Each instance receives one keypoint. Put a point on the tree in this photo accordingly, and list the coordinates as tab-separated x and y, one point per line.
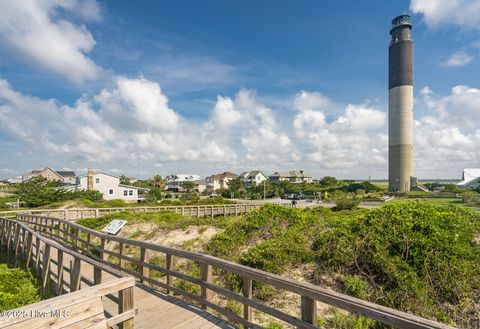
328	181
124	180
158	182
235	184
153	195
188	186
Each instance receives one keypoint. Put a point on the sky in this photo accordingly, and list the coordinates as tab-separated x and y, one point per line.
201	87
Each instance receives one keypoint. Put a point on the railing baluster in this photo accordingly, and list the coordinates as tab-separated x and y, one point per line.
206	275
309	310
59	272
144	257
247	292
169	266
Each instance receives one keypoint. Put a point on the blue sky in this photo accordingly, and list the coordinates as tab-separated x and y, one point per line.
205	86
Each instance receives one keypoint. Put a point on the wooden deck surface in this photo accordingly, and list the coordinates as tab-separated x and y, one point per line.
155	310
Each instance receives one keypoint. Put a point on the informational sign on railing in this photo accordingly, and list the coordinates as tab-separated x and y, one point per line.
114	226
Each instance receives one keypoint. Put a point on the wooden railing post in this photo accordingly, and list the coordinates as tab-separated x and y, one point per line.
102	249
247	292
75	275
169	266
144	257
29	249
206	275
59	272
126	302
309	310
46	267
120	259
97	275
37	255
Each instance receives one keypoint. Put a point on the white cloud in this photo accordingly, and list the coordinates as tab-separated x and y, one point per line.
353	139
459	58
446	140
465	13
131	125
37	30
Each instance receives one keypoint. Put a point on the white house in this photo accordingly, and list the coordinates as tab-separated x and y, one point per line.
173	182
470	178
110	187
255	177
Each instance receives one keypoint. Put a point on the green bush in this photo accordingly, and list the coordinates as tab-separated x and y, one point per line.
417	257
17	288
345	203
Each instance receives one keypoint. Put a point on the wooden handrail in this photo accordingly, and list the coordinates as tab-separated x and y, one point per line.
192	210
36	251
60	230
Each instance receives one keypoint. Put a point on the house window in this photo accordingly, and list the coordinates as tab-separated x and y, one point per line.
97	180
110	191
125	192
130	192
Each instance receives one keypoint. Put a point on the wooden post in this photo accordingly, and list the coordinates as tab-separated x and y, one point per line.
97	275
16	246
59	272
97	213
236	210
309	310
169	266
76	237
37	255
75	275
225	211
102	248
206	275
120	251
144	257
29	249
183	211
247	292
46	267
211	211
126	302
198	211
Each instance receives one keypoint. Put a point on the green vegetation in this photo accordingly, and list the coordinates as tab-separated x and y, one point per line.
17	288
417	257
39	191
163	219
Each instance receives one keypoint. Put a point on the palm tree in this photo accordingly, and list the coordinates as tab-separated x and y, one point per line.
158	182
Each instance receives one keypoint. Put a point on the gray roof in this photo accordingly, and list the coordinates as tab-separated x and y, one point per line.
65	173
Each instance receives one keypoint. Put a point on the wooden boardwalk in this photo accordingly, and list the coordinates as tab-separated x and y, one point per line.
94	263
154	309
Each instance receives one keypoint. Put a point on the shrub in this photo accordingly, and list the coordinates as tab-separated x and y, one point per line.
345	203
17	288
417	257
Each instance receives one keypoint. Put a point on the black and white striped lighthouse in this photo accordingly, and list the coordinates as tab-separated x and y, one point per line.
400	105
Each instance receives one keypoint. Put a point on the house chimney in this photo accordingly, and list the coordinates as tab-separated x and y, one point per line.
90	179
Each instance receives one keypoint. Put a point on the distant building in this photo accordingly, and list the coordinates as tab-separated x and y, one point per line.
219	181
173	182
254	177
294	176
15	180
109	186
201	185
67	177
470	178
